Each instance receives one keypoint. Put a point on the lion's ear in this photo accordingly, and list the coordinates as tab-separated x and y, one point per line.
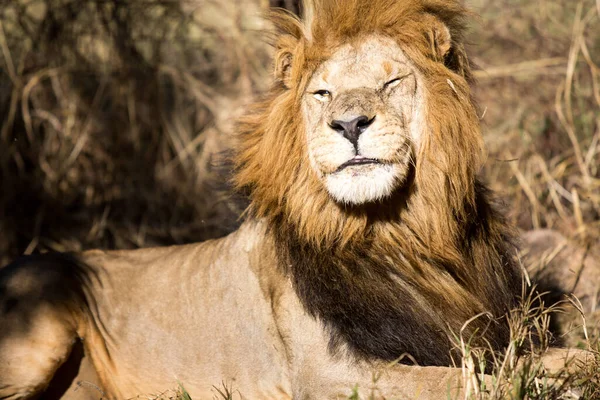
283	66
440	39
447	49
284	58
291	31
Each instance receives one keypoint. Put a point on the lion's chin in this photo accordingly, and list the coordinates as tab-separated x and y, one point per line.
363	184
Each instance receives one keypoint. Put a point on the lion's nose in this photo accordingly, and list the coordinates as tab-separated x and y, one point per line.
352	130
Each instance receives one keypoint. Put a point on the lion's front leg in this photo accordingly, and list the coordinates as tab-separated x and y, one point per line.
342	380
319	372
379	382
38	324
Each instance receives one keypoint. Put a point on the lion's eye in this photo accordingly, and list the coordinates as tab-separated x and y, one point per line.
393	83
322	95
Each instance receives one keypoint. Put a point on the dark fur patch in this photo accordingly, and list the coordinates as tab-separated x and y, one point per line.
404	275
380	311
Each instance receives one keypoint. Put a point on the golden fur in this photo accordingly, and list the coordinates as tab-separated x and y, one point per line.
309	297
455	249
452	120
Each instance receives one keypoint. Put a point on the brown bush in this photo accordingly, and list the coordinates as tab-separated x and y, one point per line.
114	114
539	91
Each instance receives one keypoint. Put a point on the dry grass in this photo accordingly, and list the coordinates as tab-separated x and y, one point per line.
540	89
112	114
543	110
539	92
519	372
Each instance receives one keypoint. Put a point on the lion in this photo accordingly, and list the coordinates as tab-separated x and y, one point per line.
368	245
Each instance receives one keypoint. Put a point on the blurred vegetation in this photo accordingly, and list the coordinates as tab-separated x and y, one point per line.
115	115
539	92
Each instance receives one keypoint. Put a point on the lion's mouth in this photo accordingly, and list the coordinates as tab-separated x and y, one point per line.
358	160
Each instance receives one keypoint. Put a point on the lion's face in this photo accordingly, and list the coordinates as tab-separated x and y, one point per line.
361	112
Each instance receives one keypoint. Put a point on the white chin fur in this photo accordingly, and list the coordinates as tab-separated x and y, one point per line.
363	183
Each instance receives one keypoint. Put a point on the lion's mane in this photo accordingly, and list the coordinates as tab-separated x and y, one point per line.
404	275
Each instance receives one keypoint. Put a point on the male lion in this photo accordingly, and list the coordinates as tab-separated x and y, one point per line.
368	239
